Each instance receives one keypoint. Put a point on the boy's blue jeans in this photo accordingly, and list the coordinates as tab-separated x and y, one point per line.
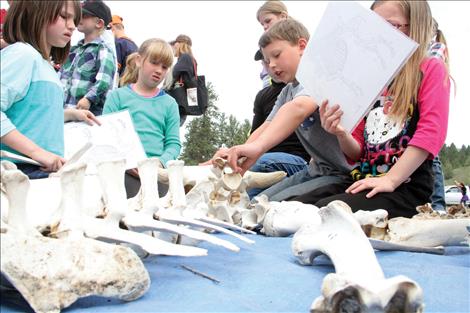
438	201
277	161
298	184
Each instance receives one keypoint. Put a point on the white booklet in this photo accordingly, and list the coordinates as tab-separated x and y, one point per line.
351	57
116	138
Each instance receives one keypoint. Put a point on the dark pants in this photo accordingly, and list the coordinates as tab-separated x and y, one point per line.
401	202
133	185
32	171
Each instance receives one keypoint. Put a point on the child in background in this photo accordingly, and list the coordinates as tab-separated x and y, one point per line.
154	113
124	45
267	15
185	68
438	49
32	114
463	190
88	74
128	77
393	142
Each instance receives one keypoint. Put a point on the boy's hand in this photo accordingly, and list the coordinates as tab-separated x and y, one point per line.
250	151
83	104
377	184
50	161
330	118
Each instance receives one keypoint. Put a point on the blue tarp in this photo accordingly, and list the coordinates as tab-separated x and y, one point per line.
265	277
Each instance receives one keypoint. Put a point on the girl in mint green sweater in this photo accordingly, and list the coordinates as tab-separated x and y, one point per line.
154	113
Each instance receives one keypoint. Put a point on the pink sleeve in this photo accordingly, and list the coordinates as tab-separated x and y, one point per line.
433	106
358	135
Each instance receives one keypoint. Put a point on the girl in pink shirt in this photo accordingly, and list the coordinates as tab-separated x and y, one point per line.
398	139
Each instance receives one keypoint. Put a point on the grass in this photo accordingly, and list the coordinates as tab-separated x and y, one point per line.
461	174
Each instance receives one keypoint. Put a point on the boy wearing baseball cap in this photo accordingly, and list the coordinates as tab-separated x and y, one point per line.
88	73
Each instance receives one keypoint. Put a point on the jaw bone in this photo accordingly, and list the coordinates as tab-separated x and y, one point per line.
358	284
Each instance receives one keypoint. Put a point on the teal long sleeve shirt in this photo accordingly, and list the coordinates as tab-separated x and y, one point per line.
156	120
31	98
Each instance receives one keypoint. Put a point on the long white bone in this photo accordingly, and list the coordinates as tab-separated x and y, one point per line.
201	224
193	175
359	283
112	179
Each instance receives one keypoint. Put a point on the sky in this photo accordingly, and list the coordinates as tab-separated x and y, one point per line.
225	36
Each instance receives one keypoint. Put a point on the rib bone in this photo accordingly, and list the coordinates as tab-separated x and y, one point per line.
112	179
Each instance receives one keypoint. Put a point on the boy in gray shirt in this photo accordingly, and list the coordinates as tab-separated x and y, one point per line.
282	46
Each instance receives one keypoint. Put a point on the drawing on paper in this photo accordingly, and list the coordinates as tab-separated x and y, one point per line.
350	58
114	139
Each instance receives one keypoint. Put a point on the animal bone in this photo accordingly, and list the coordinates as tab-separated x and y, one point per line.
280	219
111	175
43	201
193	175
51	274
428	232
286	217
418	234
146	204
358	284
16	185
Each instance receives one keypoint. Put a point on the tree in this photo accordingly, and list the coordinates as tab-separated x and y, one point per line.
207	133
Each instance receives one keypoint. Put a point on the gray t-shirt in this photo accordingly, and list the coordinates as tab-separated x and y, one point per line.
323	147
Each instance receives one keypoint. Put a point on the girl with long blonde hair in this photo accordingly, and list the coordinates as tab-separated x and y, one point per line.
404	131
153	111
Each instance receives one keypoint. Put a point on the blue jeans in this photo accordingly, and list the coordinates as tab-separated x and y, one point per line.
277	161
298	184
438	201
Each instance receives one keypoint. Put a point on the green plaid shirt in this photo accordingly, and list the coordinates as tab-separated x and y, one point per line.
88	72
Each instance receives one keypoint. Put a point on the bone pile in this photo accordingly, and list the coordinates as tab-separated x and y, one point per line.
426	231
50	230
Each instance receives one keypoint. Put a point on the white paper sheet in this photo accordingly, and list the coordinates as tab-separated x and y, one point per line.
116	138
351	57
